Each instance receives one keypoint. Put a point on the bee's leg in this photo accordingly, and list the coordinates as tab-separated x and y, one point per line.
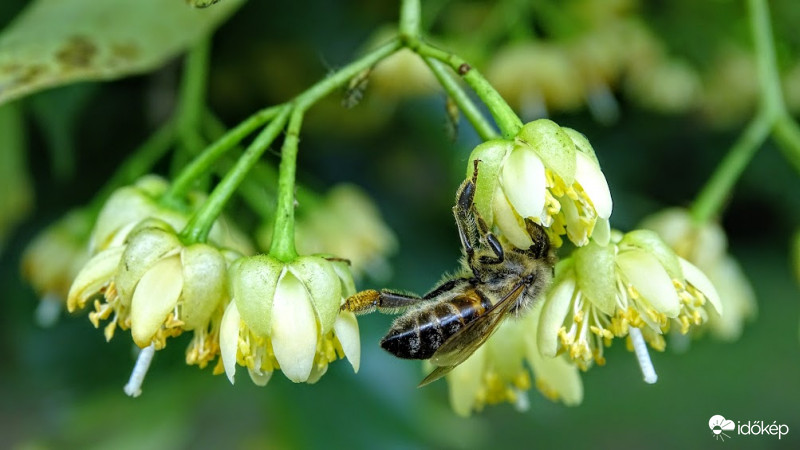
465	218
384	301
541	243
494	244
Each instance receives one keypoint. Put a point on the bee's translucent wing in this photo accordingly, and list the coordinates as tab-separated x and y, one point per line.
463	343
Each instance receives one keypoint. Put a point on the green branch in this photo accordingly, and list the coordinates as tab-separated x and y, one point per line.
485	130
203	164
192	95
200	224
505	117
717	189
772	117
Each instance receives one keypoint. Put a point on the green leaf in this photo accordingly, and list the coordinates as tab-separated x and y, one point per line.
55	42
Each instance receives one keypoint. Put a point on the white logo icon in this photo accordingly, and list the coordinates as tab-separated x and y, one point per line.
719	425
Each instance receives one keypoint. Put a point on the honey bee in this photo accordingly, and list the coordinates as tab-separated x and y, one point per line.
495	280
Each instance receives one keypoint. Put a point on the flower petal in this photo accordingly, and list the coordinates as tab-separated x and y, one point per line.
204	287
253	283
509	222
491	155
155	297
651	242
595	271
602	231
553	145
96	274
259	377
524	182
465	381
146	245
554	309
581	143
556	377
294	328
229	339
323	286
346	329
647	275
593	182
698	279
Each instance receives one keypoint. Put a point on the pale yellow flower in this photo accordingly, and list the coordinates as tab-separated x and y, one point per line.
54	258
497	372
286	316
548	174
600	292
706	247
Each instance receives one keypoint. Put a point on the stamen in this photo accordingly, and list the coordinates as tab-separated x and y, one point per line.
134	386
643	356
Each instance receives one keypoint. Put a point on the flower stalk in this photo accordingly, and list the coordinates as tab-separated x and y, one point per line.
283	246
199	226
771	118
505	117
484	129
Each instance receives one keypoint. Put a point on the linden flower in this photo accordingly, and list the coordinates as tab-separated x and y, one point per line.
128	206
706	247
548	174
157	287
496	373
286	316
53	259
346	223
635	284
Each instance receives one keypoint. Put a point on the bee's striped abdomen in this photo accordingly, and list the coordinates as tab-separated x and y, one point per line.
418	334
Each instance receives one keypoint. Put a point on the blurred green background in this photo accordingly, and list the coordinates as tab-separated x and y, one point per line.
61	387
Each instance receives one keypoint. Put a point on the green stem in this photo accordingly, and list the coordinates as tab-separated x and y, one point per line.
485	130
505	117
709	201
787	134
192	93
198	227
136	165
203	163
200	224
771	117
409	19
282	246
768	75
343	75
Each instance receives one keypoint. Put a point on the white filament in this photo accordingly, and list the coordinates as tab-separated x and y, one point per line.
134	386
643	356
